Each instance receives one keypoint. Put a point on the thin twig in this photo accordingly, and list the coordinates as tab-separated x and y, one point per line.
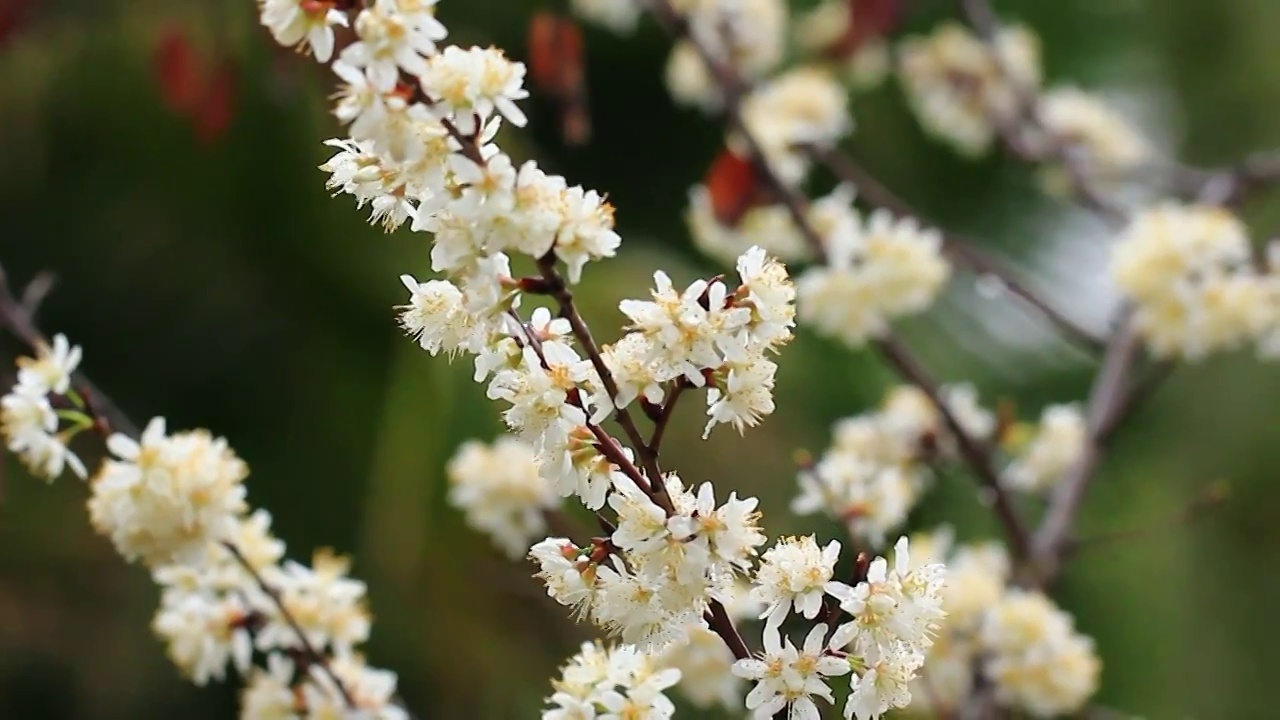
664	418
1212	497
16	317
1103	414
962	250
977	456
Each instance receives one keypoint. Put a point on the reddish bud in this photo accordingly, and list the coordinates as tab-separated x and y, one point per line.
213	115
868	19
557	55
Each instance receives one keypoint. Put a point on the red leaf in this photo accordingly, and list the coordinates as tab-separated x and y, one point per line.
734	186
178	71
557	55
212	116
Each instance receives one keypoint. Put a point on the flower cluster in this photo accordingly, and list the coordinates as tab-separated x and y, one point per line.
612	683
895	615
748	36
651	582
1189	272
1103	142
1042	455
877	270
960	89
833	29
1018	640
878	464
28	420
500	489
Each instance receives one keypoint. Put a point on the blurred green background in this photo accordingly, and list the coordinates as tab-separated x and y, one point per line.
212	280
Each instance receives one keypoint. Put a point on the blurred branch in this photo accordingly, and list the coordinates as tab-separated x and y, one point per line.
17	318
897	355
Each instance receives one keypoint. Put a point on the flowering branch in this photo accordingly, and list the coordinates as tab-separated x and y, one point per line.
733	90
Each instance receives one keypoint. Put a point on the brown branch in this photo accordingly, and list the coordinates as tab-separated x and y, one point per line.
721	624
963	251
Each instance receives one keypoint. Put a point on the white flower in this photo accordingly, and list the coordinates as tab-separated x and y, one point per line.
768	291
643	610
587	231
794	573
268	693
688	79
436	317
469	85
787	677
1187	270
539	396
686	335
633	373
890	268
1103	138
731	531
706	669
501	491
959	88
51	370
303	23
372	692
805	106
625	683
167	497
204	632
567	573
28	424
869	499
1051	453
327	605
767	226
741	393
576	467
394	35
884	685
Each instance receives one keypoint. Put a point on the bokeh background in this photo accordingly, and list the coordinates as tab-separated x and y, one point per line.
212	280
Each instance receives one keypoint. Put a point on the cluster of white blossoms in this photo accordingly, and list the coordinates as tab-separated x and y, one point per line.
176	503
654	578
29	420
747	36
798	108
1103	142
895	614
615	683
879	462
1043	454
1021	643
502	493
960	89
877	269
1189	271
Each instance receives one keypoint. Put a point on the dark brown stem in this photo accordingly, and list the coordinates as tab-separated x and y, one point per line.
664	417
962	251
722	625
